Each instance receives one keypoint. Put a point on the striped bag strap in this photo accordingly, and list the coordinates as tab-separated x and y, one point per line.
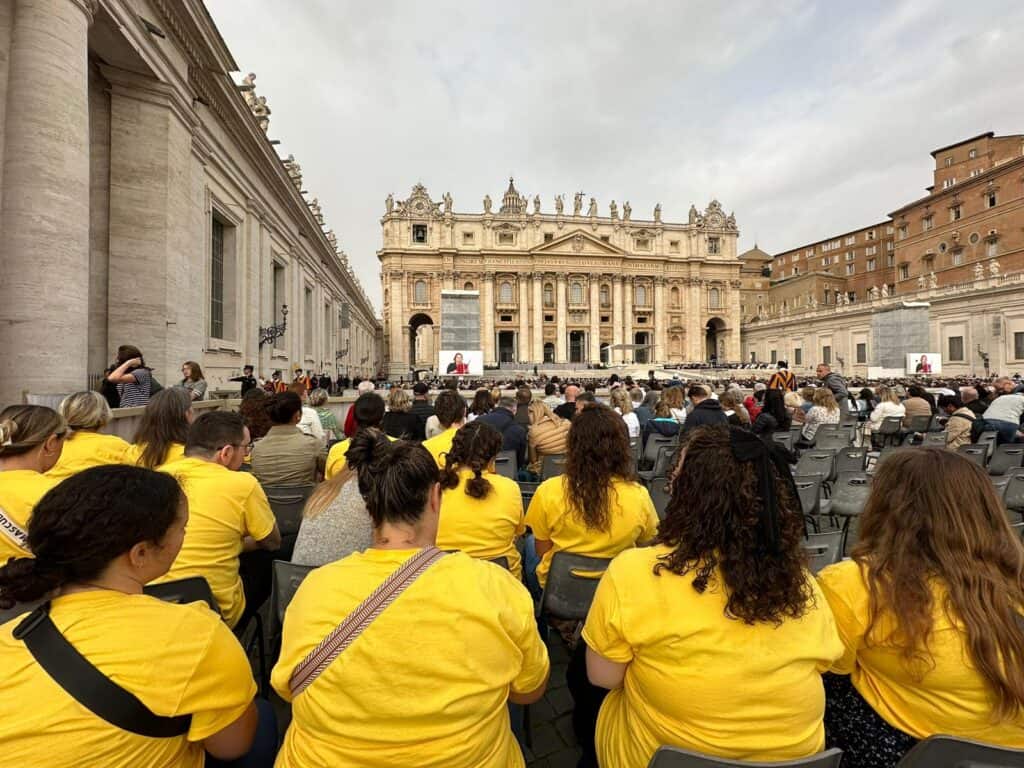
344	634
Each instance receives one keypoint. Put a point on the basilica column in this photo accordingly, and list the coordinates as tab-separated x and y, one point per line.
694	326
733	302
399	362
487	318
523	340
627	318
561	318
660	321
618	355
538	318
44	215
595	319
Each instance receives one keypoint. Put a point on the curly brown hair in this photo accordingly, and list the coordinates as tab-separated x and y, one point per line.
713	524
597	452
474	446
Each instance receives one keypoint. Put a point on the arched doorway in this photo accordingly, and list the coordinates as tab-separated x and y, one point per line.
714	333
421	341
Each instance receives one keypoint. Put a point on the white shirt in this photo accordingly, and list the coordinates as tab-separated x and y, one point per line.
310	424
1006	408
884	410
433	427
632	422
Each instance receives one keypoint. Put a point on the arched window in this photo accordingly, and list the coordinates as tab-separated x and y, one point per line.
673	297
467	287
549	295
714	296
419	294
505	293
640	298
606	300
576	293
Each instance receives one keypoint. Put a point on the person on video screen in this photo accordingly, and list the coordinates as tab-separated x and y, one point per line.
457	366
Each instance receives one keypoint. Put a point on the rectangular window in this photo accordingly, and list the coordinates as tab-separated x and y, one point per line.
862	352
975	172
606	238
949	161
549	236
956	348
419	233
947	183
217	279
712	245
971	154
796	271
673	246
506	238
871	234
826	355
850	269
279	294
958	258
954	213
307	322
467	238
871	250
991	200
1018	346
605	319
774	356
890	259
642	244
889	246
902	232
798	356
870	266
505	318
904	271
991	249
850	240
809	252
927	223
549	318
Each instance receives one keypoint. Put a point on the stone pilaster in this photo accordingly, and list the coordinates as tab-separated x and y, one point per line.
694	326
617	354
44	214
595	319
487	318
523	338
561	333
538	318
627	318
660	322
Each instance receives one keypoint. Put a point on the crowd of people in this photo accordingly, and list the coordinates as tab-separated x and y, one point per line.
419	626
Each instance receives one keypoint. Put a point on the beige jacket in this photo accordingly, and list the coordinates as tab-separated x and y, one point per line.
547	437
958	430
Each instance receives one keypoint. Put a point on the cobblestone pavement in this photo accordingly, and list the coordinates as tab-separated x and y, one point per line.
554	745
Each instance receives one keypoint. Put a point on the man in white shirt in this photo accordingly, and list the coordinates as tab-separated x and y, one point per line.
1004	414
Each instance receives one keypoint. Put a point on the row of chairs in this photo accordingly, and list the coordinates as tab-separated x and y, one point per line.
933	752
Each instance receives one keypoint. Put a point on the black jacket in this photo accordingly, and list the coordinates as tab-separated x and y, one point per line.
403	424
513	435
422	410
706	413
566	411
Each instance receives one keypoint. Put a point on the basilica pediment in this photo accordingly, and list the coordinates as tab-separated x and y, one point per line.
579	241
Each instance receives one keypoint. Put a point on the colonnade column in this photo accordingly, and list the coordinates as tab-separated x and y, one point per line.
627	318
618	355
487	318
44	215
399	330
523	339
538	318
595	319
660	321
694	327
560	323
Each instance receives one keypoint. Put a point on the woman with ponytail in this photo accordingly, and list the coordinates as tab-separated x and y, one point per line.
86	413
31	441
99	537
160	438
421	675
481	512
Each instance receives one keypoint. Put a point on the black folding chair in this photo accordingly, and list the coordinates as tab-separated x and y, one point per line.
1005	458
674	757
552	466
287	503
571	584
951	752
976	453
506	465
825	548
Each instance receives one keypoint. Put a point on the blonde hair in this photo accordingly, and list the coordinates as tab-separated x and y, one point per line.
398	400
622	400
793	400
539	412
673	397
887	395
85	411
24	428
318	397
824	398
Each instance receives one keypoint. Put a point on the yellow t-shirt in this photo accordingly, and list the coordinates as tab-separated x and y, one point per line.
699	680
175	451
483	528
20	491
951	696
83	450
177	659
336	457
632	520
441	444
223	508
426	683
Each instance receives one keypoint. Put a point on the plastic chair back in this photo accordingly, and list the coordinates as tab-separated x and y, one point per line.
674	757
934	440
1006	457
809	489
287	578
194	589
951	752
287	502
891	425
817	461
850	493
823	549
659	495
553	466
785	439
653	448
851	460
666	459
832	439
988	438
976	453
527	490
572	581
505	464
1013	495
918	423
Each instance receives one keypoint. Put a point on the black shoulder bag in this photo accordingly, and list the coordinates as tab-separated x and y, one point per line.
87	685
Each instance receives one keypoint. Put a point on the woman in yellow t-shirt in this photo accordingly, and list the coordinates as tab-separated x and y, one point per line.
481	512
597	508
31	440
721	609
161	435
98	538
86	413
929	610
426	684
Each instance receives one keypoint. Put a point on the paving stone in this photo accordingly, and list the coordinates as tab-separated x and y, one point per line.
560	700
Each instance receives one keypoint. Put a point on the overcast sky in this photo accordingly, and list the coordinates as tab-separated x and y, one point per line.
805	118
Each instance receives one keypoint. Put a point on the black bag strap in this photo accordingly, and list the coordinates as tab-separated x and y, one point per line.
87	685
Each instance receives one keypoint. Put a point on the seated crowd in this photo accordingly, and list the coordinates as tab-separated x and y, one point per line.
420	626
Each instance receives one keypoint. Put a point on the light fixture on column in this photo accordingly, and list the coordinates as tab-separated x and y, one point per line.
272	333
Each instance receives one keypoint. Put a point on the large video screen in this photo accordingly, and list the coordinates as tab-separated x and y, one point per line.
924	363
461	362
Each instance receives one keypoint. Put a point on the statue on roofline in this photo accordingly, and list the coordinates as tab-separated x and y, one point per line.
559	204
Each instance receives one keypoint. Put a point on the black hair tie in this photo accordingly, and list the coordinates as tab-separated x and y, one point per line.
748	447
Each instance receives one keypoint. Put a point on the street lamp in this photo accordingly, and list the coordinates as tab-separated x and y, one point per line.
272	333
